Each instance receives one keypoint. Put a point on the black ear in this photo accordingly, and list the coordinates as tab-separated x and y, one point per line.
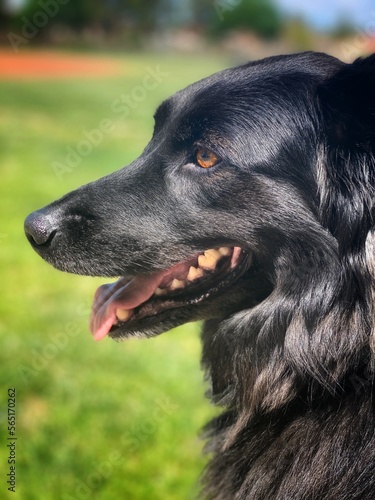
346	167
348	104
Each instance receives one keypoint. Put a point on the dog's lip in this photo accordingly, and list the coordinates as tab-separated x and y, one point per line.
136	298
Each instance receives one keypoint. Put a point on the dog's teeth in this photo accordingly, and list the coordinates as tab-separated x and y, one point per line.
209	259
206	263
213	253
225	251
124	314
194	273
176	284
159	291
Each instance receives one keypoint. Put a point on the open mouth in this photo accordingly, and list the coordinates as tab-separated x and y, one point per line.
127	301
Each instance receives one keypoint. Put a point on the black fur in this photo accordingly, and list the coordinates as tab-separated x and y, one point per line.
289	345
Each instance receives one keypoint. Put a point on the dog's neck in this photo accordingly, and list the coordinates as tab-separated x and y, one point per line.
261	359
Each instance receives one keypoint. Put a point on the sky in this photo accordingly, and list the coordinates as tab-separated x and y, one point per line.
12	5
326	13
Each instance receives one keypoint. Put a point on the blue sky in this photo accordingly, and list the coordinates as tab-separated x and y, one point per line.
326	13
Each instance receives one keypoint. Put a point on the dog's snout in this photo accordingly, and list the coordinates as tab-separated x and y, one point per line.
39	228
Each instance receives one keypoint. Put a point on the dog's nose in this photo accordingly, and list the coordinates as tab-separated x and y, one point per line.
39	228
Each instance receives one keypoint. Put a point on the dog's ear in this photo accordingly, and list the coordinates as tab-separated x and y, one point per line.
347	102
346	167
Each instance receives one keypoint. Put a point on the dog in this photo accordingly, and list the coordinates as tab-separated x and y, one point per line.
252	208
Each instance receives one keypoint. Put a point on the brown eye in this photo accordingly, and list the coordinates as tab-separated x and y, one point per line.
206	158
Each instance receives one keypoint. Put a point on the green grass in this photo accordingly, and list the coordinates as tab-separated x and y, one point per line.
94	420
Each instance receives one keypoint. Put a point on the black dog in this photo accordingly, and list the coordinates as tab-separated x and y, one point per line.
252	207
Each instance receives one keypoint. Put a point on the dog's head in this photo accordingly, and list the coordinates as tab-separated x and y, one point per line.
258	183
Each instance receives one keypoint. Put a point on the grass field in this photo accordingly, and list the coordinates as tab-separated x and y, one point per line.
94	420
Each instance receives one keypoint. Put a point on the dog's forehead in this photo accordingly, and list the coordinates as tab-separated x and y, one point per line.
212	90
250	85
207	100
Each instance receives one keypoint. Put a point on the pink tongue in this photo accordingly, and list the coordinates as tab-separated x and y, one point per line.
124	294
120	295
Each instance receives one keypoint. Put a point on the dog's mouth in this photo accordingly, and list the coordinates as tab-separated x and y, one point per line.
119	305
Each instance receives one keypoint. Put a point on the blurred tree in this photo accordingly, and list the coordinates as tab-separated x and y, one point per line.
4	19
136	17
343	29
144	15
260	16
8	12
298	34
203	12
107	14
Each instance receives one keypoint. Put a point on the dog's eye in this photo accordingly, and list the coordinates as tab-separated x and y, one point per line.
206	158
